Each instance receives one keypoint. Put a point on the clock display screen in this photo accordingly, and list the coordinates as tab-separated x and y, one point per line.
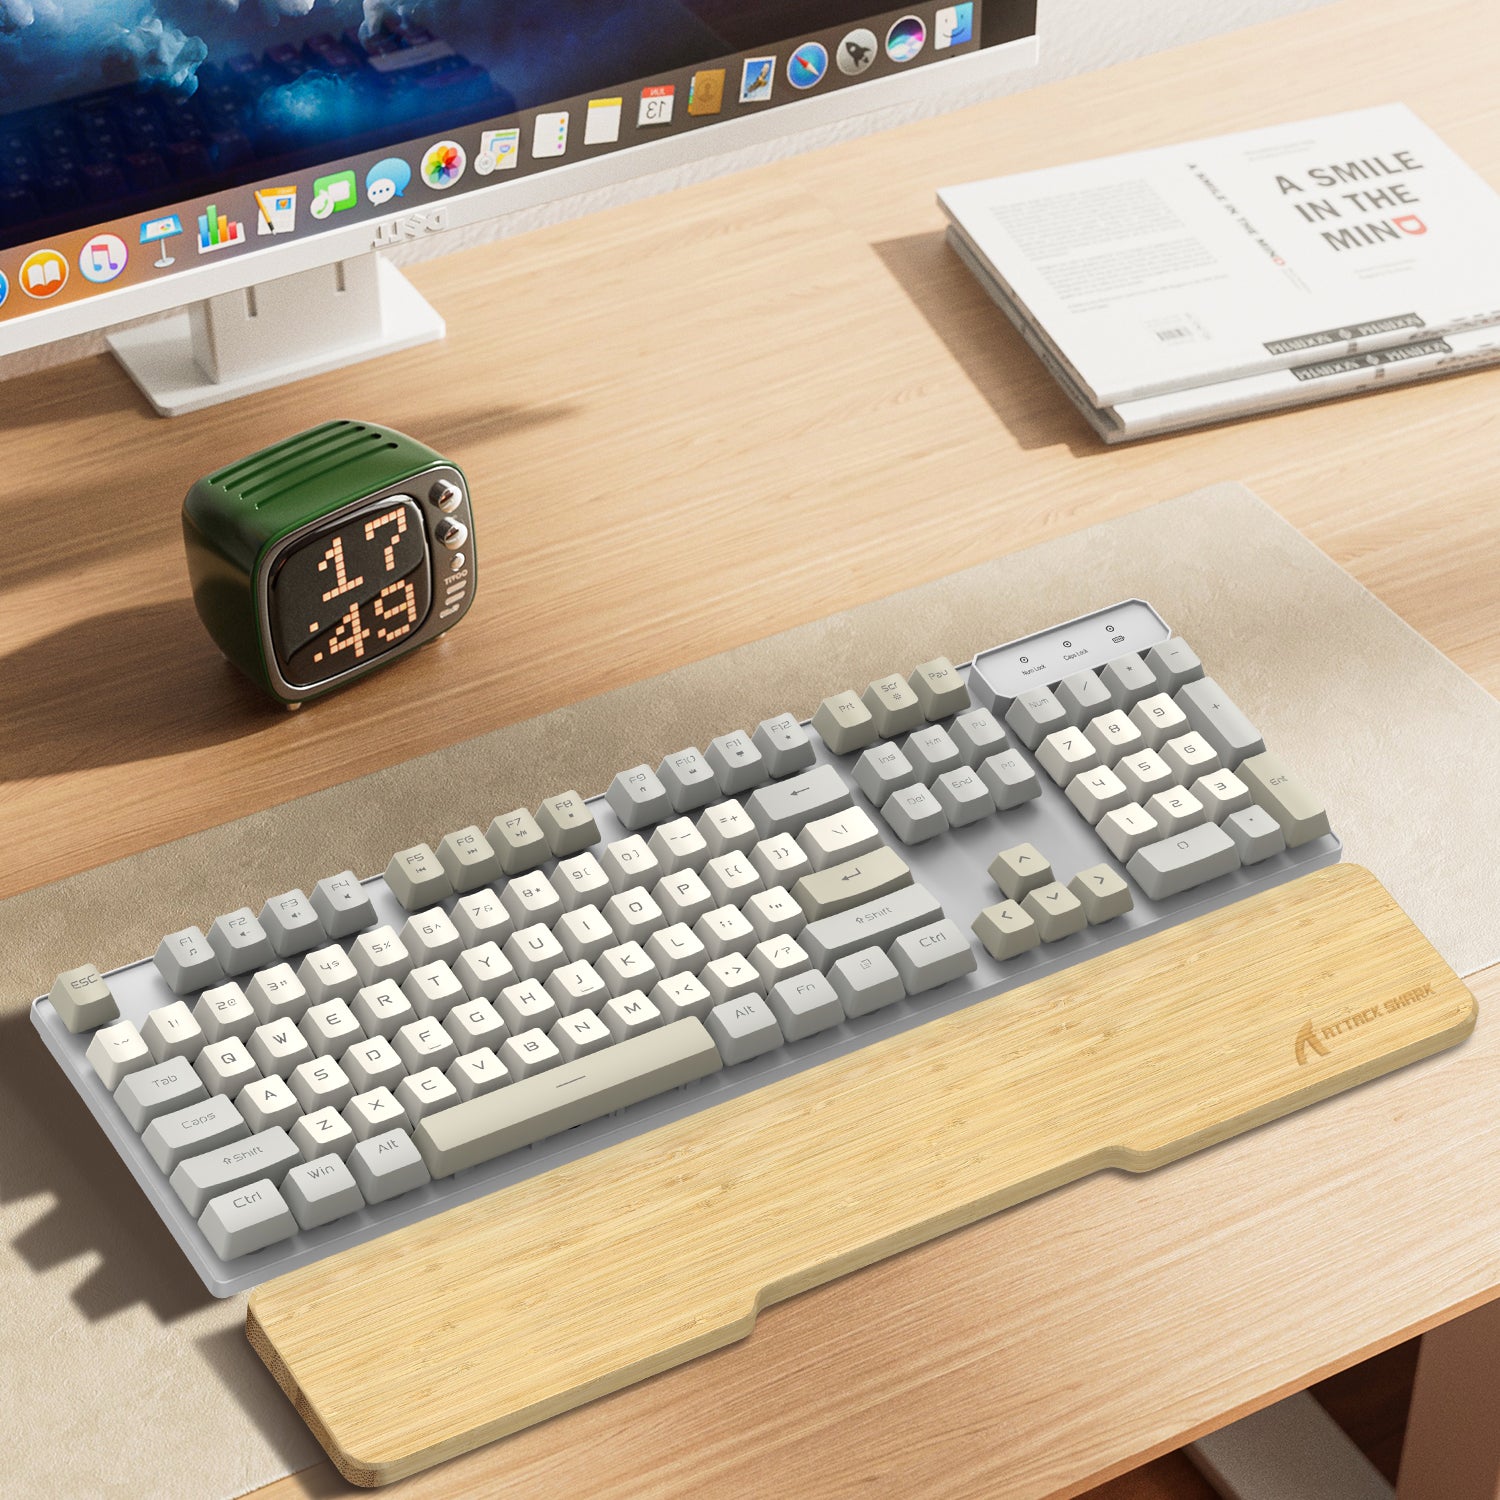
350	593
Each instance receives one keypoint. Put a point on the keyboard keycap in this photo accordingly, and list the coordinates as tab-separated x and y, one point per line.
1103	895
1174	664
1256	834
320	1191
1009	779
845	723
866	981
736	763
893	706
277	994
417	878
468	860
224	1012
226	1067
839	837
883	769
1178	864
852	883
939	688
931	751
1221	793
292	924
83	1000
1189	756
327	974
248	1219
567	824
431	937
1057	912
931	956
268	1103
171	1138
1113	735
915	814
1175	810
117	1052
1128	679
185	960
877	923
978	735
784	744
638	798
628	1015
519	844
240	942
689	780
342	905
171	1031
1127	829
804	1005
1144	773
678	846
1006	930
1159	719
533	1108
387	1165
1295	806
963	796
1020	870
787	806
1083	697
744	1028
1097	792
1035	715
270	1154
728	829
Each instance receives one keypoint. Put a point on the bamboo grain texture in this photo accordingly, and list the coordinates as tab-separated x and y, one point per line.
427	1342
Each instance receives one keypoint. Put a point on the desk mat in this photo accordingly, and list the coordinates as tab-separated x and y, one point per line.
121	1376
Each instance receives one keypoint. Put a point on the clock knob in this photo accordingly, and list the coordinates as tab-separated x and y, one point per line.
452	534
446	496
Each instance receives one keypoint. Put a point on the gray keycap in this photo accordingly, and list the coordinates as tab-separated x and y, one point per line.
1010	780
173	1137
196	1179
569	1094
342	905
785	745
1034	715
915	815
1174	662
866	981
185	960
224	1011
1127	679
939	688
785	806
1083	697
638	797
1297	808
518	841
736	763
1256	834
327	974
292	924
1020	870
481	917
116	1052
468	860
743	1028
978	735
1057	912
379	954
804	1005
417	878
318	1192
248	1219
963	796
931	751
931	956
431	936
567	824
689	780
1178	864
1212	712
1103	894
851	883
883	769
877	922
844	722
1006	930
82	998
158	1090
240	942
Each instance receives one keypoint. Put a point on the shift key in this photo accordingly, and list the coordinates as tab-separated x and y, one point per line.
270	1154
828	892
876	924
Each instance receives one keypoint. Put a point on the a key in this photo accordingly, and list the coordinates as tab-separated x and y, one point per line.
534	952
878	922
1127	829
172	1137
468	860
342	906
893	705
292	924
278	1047
320	1192
773	913
688	779
330	1027
186	962
1020	870
1174	664
324	1132
387	1166
481	917
170	1031
931	750
1083	697
478	1072
518	841
1097	792
424	1044
579	1034
1144	773
426	1092
842	836
844	723
675	949
731	880
83	1000
784	745
787	806
1113	735
633	915
527	1055
240	942
373	1063
1298	809
267	1104
1256	834
728	829
931	956
963	797
382	1009
573	987
484	971
625	967
1034	715
883	769
1127	679
1214	715
116	1052
320	1084
532	898
533	1108
431	937
248	1219
629	1015
1009	779
580	881
226	1067
584	934
196	1179
1159	719
1178	864
433	989
778	959
744	1028
804	1005
678	846
630	862
224	1012
1189	756
567	824
851	883
978	735
1065	753
1102	894
417	878
866	981
328	974
367	1115
476	1023
940	690
277	994
724	930
681	995
915	815
1175	810
780	860
638	798
379	954
737	765
1006	930
1221	793
1057	912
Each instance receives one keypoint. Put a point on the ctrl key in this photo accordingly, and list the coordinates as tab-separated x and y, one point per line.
246	1220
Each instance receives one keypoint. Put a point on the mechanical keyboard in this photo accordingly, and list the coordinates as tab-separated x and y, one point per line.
308	1072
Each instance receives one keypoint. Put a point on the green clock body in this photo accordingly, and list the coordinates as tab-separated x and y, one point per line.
326	556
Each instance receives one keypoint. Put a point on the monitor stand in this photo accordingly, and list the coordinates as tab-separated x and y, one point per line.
274	333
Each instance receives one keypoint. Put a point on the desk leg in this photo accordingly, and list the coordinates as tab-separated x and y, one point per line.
1291	1451
1452	1448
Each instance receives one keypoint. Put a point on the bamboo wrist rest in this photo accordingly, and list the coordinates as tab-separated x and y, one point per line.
432	1340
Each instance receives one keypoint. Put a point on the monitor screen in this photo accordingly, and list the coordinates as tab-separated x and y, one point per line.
143	138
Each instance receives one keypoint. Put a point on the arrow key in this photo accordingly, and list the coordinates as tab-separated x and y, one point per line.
1057	912
1020	871
1103	893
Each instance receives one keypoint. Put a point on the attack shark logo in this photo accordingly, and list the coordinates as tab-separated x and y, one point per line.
1319	1041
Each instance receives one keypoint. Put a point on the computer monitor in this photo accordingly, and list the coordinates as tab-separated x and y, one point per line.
246	160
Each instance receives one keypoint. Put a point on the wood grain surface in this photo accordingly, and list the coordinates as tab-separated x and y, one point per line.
478	1322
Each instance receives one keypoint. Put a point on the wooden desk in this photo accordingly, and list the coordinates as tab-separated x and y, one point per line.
691	422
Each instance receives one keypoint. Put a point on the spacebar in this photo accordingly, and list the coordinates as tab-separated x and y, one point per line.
533	1108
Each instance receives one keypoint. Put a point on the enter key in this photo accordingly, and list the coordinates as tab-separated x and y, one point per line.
1298	809
828	892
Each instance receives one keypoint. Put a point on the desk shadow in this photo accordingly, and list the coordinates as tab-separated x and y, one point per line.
988	349
129	685
238	1368
53	1148
95	386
